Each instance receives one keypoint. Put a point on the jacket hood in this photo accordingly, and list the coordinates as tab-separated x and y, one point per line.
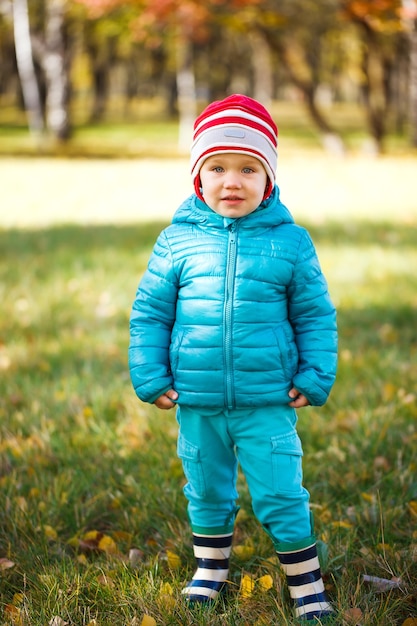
271	212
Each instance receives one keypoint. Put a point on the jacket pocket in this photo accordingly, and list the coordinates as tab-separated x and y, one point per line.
174	350
192	466
287	468
287	351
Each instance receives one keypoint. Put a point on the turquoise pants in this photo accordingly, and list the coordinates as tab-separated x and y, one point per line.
266	445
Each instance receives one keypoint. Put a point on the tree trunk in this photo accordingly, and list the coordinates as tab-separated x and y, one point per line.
187	102
262	68
56	71
26	68
413	84
331	140
376	97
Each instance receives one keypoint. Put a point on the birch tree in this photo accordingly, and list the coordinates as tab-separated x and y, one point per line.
410	21
26	68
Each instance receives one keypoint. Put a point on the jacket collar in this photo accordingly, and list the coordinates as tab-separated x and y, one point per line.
271	212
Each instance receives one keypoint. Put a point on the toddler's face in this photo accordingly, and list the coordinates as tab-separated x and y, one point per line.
233	184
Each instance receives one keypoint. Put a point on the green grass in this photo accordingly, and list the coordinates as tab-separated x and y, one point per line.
79	453
144	129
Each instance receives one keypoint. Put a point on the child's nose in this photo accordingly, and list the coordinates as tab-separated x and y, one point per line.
232	180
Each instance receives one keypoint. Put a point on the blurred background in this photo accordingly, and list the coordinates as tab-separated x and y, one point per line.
346	70
108	86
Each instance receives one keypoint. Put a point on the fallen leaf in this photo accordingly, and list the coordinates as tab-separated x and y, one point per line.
247	585
107	544
266	582
14	614
369	497
166	589
135	557
410	621
122	535
353	616
413	507
174	561
148	621
92	535
57	621
6	564
18	598
50	533
244	552
104	580
166	596
383	584
342	524
82	559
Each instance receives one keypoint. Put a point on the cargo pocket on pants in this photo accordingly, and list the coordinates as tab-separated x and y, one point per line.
192	466
287	468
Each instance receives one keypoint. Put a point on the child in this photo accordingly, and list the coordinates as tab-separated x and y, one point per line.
233	323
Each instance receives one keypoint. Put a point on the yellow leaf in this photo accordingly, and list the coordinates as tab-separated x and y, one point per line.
247	585
148	621
18	598
174	560
82	559
389	390
166	589
107	544
73	542
368	497
50	533
413	507
91	535
410	621
244	552
14	614
342	524
263	620
122	535
266	582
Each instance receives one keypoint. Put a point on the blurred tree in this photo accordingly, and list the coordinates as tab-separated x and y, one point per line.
380	26
54	54
298	31
409	15
26	68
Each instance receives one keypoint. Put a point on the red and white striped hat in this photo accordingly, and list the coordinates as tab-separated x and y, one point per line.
236	124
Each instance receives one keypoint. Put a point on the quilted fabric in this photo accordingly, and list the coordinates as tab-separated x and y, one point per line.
233	313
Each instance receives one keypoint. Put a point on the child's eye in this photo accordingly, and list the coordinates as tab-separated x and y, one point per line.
247	170
217	168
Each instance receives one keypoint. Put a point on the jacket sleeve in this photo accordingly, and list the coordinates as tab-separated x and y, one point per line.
151	321
313	318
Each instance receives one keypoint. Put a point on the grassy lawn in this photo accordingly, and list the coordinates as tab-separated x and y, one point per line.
93	527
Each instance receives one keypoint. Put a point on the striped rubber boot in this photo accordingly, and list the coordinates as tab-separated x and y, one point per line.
212	554
305	584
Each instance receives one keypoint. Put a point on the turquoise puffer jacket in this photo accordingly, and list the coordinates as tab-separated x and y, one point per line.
233	313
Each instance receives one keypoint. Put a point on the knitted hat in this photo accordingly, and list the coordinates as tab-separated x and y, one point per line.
236	124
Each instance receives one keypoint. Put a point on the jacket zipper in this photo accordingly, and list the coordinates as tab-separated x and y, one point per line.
228	316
